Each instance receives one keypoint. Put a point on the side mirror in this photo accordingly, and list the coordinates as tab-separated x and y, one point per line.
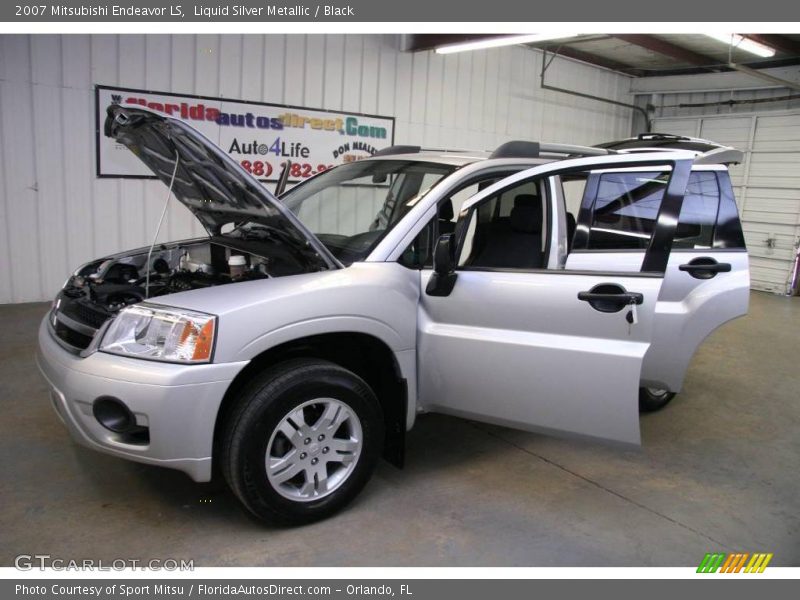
444	265
444	255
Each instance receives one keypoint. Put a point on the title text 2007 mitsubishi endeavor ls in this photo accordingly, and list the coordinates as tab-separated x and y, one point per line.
552	288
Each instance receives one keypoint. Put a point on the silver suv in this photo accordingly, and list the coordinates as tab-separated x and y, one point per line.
552	288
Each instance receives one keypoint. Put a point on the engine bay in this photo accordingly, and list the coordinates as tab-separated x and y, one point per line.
102	288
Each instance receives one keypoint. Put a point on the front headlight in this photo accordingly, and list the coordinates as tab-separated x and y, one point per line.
157	333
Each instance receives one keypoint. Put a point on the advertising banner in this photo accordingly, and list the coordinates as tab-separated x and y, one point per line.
259	136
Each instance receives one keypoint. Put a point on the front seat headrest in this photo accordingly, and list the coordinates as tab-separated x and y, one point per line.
526	200
526	216
446	211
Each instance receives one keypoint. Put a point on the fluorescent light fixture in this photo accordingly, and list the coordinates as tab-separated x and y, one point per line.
743	43
496	42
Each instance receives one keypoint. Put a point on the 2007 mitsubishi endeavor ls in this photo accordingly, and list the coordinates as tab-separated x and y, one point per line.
552	288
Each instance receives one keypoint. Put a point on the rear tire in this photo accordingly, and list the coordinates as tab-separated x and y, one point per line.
653	399
301	441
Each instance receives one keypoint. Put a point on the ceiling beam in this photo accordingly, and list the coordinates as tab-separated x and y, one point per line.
779	81
429	41
593	59
779	42
710	82
669	49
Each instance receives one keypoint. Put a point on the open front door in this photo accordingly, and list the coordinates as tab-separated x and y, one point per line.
523	343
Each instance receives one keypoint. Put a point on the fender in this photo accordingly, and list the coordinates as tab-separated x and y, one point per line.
322	325
405	358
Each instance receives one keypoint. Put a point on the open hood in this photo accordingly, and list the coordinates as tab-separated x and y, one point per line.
207	181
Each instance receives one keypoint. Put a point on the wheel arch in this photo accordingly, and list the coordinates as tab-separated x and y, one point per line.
364	354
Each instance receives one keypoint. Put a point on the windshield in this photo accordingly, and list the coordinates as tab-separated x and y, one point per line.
350	208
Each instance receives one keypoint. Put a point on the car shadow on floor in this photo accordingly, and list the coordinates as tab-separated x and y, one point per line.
437	444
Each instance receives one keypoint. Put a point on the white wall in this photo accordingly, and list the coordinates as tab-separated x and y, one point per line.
55	215
669	105
766	184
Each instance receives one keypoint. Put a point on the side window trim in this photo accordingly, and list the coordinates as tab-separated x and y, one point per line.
585	213
728	234
608	273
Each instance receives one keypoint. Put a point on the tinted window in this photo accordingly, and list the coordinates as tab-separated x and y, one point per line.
627	206
626	209
698	212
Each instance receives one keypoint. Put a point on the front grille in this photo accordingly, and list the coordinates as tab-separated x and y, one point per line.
84	314
72	337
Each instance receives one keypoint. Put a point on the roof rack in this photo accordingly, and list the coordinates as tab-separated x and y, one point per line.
512	149
403	149
398	150
662	136
677	138
523	149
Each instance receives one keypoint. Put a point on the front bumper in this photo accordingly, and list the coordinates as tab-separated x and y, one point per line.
177	403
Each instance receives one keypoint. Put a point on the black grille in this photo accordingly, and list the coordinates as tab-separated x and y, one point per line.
72	337
83	314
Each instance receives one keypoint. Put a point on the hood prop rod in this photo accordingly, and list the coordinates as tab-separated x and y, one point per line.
158	228
283	179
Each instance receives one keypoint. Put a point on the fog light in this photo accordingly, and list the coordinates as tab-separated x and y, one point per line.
112	414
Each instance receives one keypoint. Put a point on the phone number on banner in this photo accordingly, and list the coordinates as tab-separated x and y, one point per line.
263	169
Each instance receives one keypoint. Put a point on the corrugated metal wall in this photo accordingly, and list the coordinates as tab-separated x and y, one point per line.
55	215
676	105
767	184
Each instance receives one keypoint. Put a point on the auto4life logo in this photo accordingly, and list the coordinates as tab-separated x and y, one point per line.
736	562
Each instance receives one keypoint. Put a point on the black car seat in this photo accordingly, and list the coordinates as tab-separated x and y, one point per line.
515	242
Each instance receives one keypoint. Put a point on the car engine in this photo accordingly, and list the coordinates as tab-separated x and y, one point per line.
98	290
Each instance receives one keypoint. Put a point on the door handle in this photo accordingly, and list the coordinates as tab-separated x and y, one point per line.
610	298
704	267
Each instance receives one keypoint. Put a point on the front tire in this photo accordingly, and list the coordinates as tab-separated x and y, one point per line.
653	399
301	441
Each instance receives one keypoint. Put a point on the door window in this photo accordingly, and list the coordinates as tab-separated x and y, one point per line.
626	209
419	253
507	230
626	205
698	212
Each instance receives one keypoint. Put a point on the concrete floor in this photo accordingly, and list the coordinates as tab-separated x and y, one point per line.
718	471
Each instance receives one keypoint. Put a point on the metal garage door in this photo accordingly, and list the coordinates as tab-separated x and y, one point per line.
767	185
